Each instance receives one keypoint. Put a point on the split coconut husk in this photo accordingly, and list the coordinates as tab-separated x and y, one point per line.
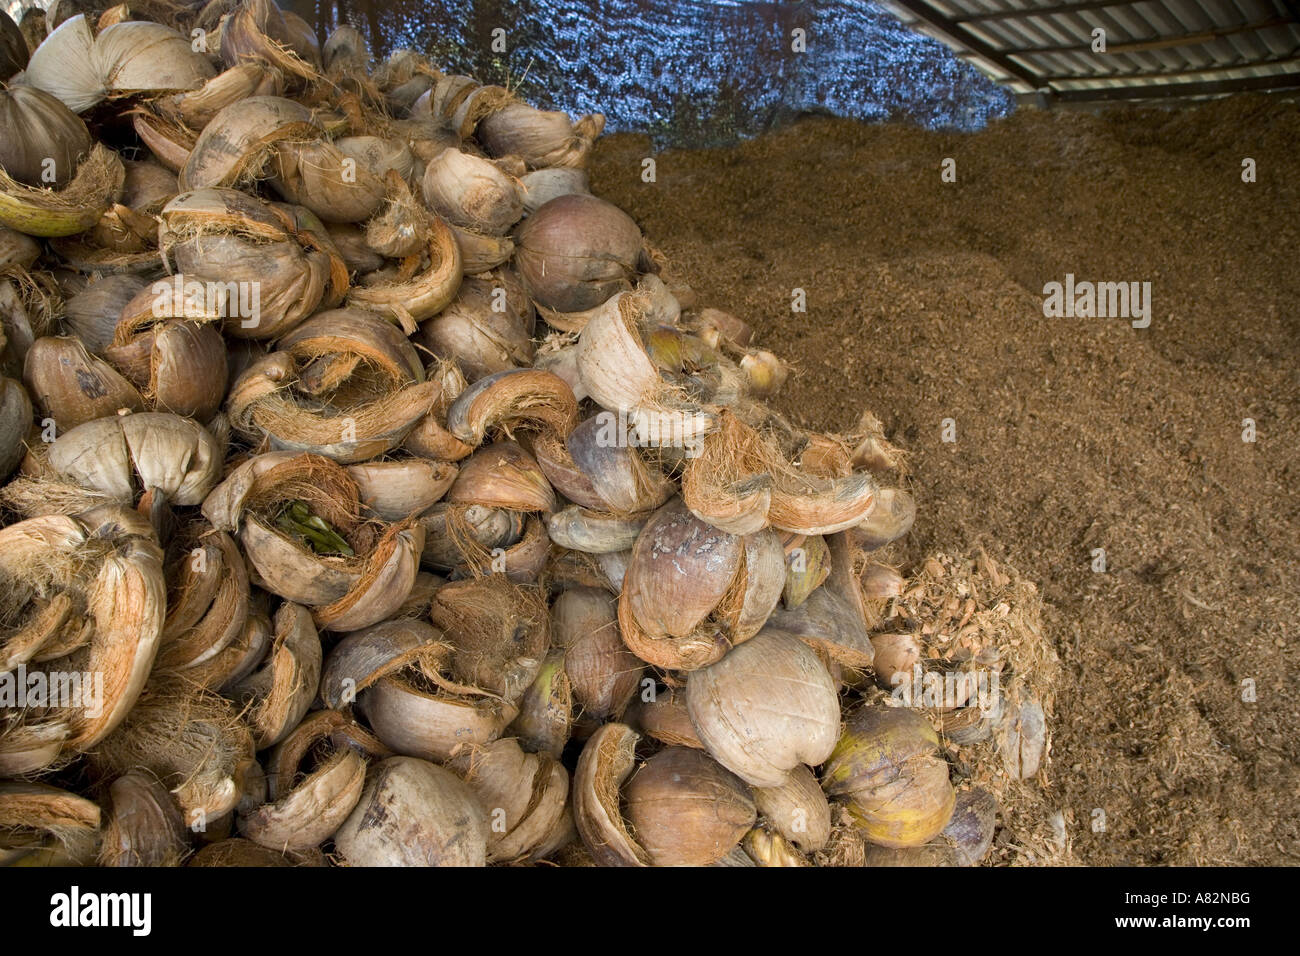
545	718
692	592
525	795
345	384
751	727
194	743
126	58
272	266
90	595
298	519
313	788
143	825
423	713
414	813
50	212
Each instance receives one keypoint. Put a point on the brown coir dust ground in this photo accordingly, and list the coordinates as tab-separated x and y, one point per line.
925	303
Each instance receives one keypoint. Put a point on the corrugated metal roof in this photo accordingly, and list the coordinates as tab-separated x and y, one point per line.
1152	48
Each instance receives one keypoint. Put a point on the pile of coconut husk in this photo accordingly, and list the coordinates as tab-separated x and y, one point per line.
354	455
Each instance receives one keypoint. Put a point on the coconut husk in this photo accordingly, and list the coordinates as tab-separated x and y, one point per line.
539	138
692	592
195	108
526	793
499	633
75	208
193	741
368	421
319	176
435	272
169	140
422	711
606	762
238	144
36	816
224	236
510	401
207	602
346	591
90	589
728	484
143	826
545	718
259	32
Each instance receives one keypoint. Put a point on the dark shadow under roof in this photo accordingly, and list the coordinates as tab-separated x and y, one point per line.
1152	48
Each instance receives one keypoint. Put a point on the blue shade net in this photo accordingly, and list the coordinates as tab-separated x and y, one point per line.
689	72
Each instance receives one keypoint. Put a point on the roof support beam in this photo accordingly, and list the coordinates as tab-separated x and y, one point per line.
1288	59
1159	43
954	31
1024	12
1163	90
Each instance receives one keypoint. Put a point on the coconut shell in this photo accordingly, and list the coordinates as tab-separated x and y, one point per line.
92	314
797	809
606	761
686	810
542	185
238	852
240	139
578	529
196	108
545	718
618	473
324	179
395	490
576	251
765	708
525	795
13	48
766	848
207	604
191	740
143	826
970	831
538	137
414	813
410	300
227	237
34	814
148	451
888	770
892	517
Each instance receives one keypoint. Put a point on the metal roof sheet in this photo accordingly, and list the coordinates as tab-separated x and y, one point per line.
1152	48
